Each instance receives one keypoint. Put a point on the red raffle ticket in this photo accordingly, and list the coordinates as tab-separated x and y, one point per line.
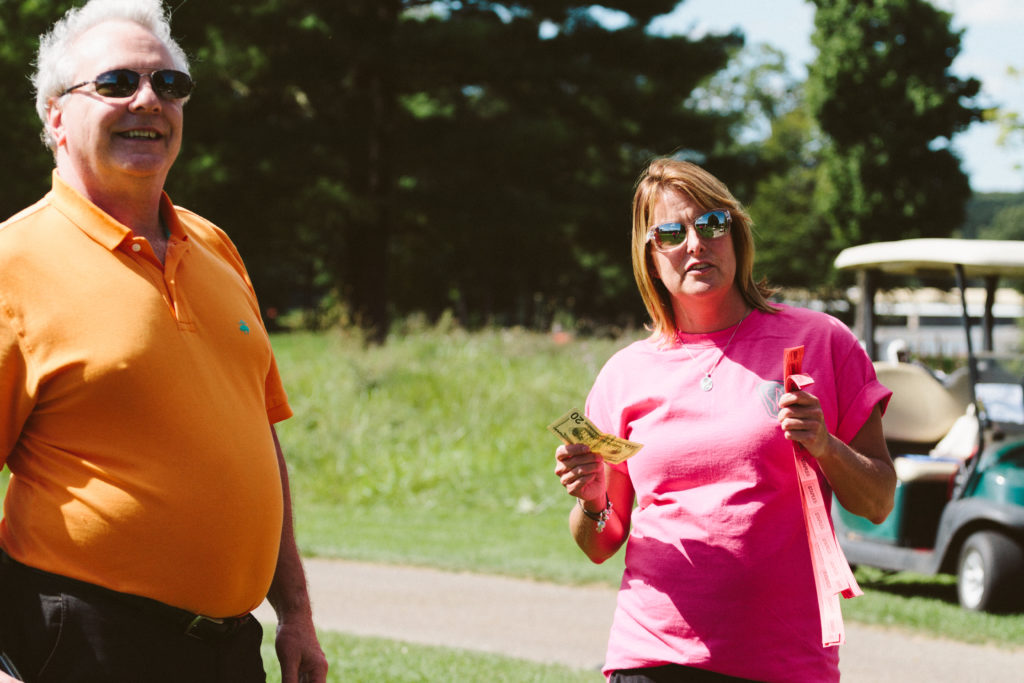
832	575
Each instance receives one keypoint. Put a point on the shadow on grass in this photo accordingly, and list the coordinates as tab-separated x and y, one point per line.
909	585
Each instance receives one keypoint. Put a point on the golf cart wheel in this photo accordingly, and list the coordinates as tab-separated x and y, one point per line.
990	573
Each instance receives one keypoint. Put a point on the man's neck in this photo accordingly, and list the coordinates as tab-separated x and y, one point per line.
134	203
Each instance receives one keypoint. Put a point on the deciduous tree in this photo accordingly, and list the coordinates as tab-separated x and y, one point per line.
882	90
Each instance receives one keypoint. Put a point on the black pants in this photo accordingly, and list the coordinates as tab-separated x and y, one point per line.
58	629
672	673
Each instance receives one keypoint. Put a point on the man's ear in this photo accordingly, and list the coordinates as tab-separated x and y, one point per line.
55	122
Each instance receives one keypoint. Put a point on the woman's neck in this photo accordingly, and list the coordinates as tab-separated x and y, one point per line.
706	315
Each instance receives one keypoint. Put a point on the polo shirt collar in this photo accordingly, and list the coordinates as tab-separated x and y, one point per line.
97	223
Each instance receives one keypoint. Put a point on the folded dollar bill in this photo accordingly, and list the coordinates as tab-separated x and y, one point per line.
574	427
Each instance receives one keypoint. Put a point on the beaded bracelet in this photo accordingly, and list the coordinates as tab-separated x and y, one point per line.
600	517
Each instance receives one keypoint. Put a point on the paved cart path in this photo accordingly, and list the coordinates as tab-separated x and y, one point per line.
551	623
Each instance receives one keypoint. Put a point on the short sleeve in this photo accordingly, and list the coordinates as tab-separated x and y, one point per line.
859	390
278	409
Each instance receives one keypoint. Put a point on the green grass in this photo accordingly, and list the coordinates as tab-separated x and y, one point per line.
928	604
355	658
460	539
434	450
432	421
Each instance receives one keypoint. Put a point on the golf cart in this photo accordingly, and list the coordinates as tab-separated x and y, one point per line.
957	441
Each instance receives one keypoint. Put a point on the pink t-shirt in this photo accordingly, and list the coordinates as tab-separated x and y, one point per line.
718	573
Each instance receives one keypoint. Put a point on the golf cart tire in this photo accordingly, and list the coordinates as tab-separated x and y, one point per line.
990	573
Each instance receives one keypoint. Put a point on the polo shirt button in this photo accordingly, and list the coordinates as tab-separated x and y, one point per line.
136	247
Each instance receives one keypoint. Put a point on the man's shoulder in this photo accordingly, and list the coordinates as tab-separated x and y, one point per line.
27	215
191	219
201	227
209	235
26	232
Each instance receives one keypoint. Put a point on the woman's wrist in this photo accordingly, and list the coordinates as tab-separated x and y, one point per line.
601	516
594	506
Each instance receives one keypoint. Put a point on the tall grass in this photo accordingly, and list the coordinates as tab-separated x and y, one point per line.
436	420
433	449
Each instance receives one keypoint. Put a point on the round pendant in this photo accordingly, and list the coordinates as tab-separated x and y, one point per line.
706	383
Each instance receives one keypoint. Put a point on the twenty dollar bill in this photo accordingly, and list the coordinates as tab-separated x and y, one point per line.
574	427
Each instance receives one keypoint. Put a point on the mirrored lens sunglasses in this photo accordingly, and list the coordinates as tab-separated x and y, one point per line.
120	83
711	225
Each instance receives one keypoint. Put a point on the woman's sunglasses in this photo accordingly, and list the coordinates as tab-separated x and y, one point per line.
120	83
711	225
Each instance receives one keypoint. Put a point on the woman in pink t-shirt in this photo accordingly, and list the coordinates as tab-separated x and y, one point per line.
719	582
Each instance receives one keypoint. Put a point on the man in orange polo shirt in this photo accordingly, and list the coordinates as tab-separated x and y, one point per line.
148	510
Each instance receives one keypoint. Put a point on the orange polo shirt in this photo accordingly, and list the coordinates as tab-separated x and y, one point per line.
135	407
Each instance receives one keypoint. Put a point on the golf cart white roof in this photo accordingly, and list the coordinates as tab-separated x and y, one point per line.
979	258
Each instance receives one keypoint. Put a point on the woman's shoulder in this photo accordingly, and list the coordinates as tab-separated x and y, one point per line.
788	315
824	335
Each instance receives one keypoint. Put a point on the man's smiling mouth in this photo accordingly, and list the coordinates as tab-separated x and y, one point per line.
141	135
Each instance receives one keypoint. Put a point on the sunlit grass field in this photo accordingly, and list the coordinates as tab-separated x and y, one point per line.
355	658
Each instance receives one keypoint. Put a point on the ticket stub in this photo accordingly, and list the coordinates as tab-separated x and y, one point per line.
575	427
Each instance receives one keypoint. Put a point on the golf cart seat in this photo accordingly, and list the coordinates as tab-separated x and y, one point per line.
921	410
920	415
959	385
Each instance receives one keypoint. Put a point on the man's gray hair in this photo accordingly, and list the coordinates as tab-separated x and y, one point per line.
55	63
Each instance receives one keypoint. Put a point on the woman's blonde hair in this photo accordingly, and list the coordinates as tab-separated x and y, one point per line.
665	175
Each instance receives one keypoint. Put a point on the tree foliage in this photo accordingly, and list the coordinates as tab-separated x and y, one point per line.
787	228
411	156
881	89
27	160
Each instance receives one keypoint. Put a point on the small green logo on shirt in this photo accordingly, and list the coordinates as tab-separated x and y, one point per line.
243	327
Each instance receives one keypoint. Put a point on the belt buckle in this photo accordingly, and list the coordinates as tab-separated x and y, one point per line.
202	627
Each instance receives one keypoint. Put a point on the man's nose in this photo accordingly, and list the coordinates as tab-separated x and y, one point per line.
145	96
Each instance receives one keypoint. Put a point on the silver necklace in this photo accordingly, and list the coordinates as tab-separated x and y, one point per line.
705	382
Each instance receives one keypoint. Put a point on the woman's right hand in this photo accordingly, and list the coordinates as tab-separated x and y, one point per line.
581	472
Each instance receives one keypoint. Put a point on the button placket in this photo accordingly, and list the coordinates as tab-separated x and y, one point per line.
175	251
154	271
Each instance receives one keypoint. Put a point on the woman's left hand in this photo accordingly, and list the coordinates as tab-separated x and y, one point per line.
803	421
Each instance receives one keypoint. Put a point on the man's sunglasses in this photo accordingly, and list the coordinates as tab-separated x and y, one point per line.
711	225
120	83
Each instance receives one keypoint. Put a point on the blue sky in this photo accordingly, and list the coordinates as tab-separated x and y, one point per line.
992	42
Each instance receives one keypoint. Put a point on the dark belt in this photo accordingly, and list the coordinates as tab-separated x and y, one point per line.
190	624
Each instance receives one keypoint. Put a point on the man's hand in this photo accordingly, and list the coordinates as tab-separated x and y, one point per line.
298	650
